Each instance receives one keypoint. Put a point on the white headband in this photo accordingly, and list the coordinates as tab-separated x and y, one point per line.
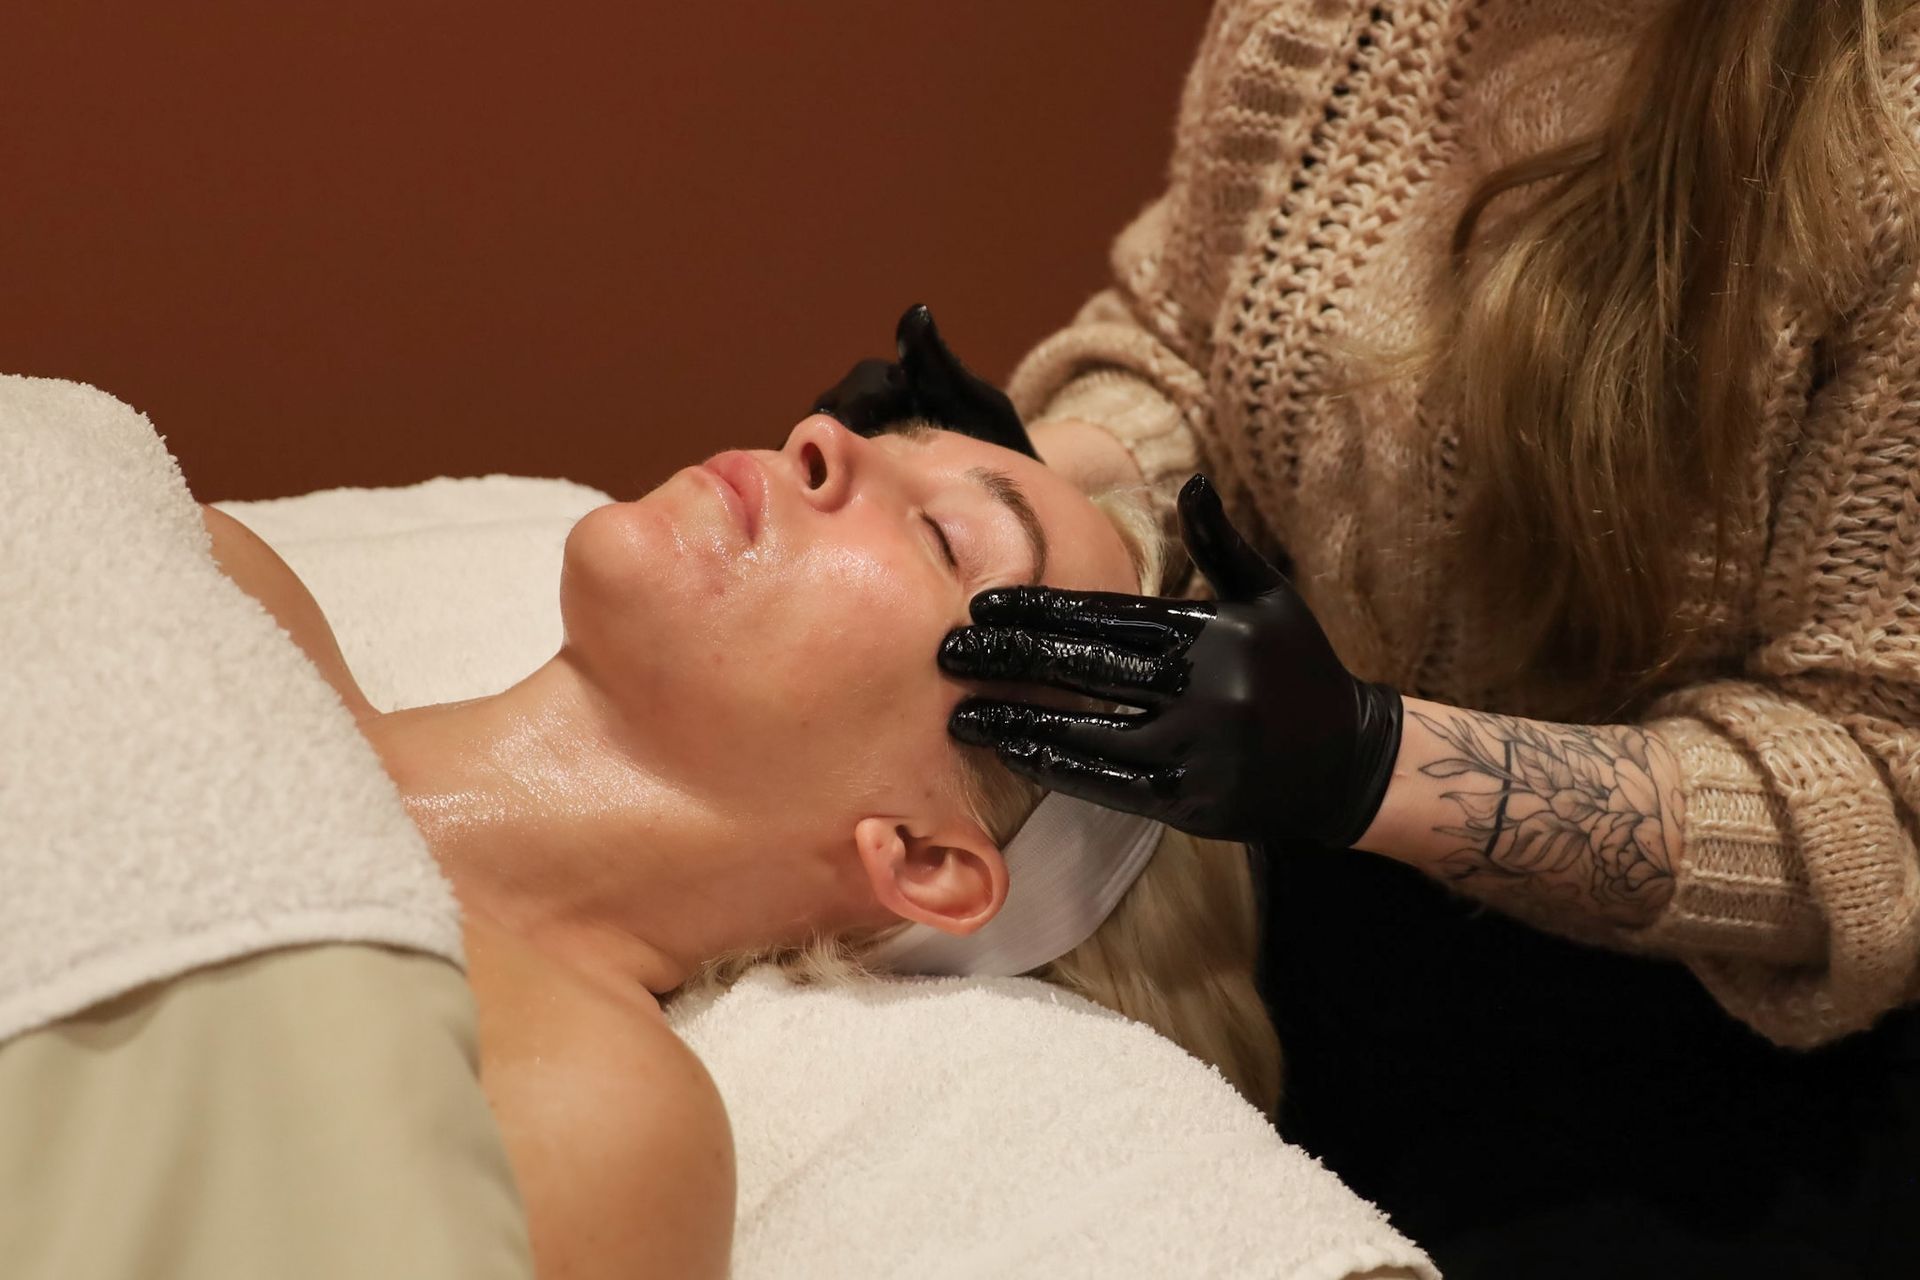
1067	868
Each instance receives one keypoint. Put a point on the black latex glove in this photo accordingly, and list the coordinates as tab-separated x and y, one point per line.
927	382
1251	728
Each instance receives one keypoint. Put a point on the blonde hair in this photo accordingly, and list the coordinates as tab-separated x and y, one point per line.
1610	333
1178	952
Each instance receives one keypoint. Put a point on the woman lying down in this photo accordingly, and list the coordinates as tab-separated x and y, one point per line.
740	753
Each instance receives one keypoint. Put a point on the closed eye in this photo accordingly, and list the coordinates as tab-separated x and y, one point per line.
946	548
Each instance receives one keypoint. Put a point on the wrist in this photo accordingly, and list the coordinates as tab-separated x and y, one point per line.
1087	453
1379	716
1386	833
1572	822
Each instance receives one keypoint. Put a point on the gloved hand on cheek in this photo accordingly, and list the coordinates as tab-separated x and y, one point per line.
1250	728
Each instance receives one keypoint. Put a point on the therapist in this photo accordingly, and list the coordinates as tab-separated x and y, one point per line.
1559	364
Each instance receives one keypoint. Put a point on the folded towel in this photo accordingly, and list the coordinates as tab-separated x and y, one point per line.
994	1127
940	1127
178	785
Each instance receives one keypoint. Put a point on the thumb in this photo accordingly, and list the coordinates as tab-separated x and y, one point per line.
1236	570
930	365
952	395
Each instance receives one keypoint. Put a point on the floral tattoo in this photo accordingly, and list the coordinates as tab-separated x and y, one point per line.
1576	812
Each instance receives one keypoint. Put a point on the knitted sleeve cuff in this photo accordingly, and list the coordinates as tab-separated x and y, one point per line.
1741	889
1797	894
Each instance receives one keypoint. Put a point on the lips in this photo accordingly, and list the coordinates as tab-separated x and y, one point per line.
746	487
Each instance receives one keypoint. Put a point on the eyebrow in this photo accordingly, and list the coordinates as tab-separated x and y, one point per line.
1002	488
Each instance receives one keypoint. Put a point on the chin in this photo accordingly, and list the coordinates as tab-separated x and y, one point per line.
630	551
656	623
604	557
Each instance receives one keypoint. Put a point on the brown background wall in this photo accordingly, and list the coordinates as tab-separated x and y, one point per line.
371	241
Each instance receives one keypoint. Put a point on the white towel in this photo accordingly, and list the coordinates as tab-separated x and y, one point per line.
947	1127
178	785
440	591
999	1127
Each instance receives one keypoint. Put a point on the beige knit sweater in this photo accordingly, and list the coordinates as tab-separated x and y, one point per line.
1323	151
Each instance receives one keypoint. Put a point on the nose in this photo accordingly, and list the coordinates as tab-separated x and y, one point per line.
828	458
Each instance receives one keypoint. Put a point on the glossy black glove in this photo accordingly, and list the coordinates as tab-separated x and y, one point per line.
927	382
1251	728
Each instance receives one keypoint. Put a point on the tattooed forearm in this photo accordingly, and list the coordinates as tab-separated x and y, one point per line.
1566	812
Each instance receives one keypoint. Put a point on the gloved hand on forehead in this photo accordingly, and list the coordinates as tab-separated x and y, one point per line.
1251	727
929	382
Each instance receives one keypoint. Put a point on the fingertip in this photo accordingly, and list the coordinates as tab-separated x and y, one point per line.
971	724
1024	758
926	354
959	651
996	603
1200	509
1198	489
914	321
994	721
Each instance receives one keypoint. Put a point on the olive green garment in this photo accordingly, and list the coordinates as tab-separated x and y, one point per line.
307	1112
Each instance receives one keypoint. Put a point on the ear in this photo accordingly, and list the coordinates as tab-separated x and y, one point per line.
950	878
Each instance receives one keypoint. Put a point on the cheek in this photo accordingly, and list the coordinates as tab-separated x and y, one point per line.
808	669
852	629
846	662
638	589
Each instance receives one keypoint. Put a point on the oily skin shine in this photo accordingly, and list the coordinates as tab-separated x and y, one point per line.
743	737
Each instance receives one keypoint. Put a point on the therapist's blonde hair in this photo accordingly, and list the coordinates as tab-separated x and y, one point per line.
1178	952
1610	325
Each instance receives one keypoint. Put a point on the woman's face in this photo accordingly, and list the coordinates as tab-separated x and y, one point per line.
770	619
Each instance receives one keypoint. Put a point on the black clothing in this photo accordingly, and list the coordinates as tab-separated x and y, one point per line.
1524	1106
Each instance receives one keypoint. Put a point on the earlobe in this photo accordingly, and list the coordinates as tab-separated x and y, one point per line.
953	879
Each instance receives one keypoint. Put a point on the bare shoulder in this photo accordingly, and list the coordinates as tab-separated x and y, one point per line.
257	569
617	1134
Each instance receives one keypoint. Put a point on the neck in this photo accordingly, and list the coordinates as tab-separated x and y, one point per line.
549	814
